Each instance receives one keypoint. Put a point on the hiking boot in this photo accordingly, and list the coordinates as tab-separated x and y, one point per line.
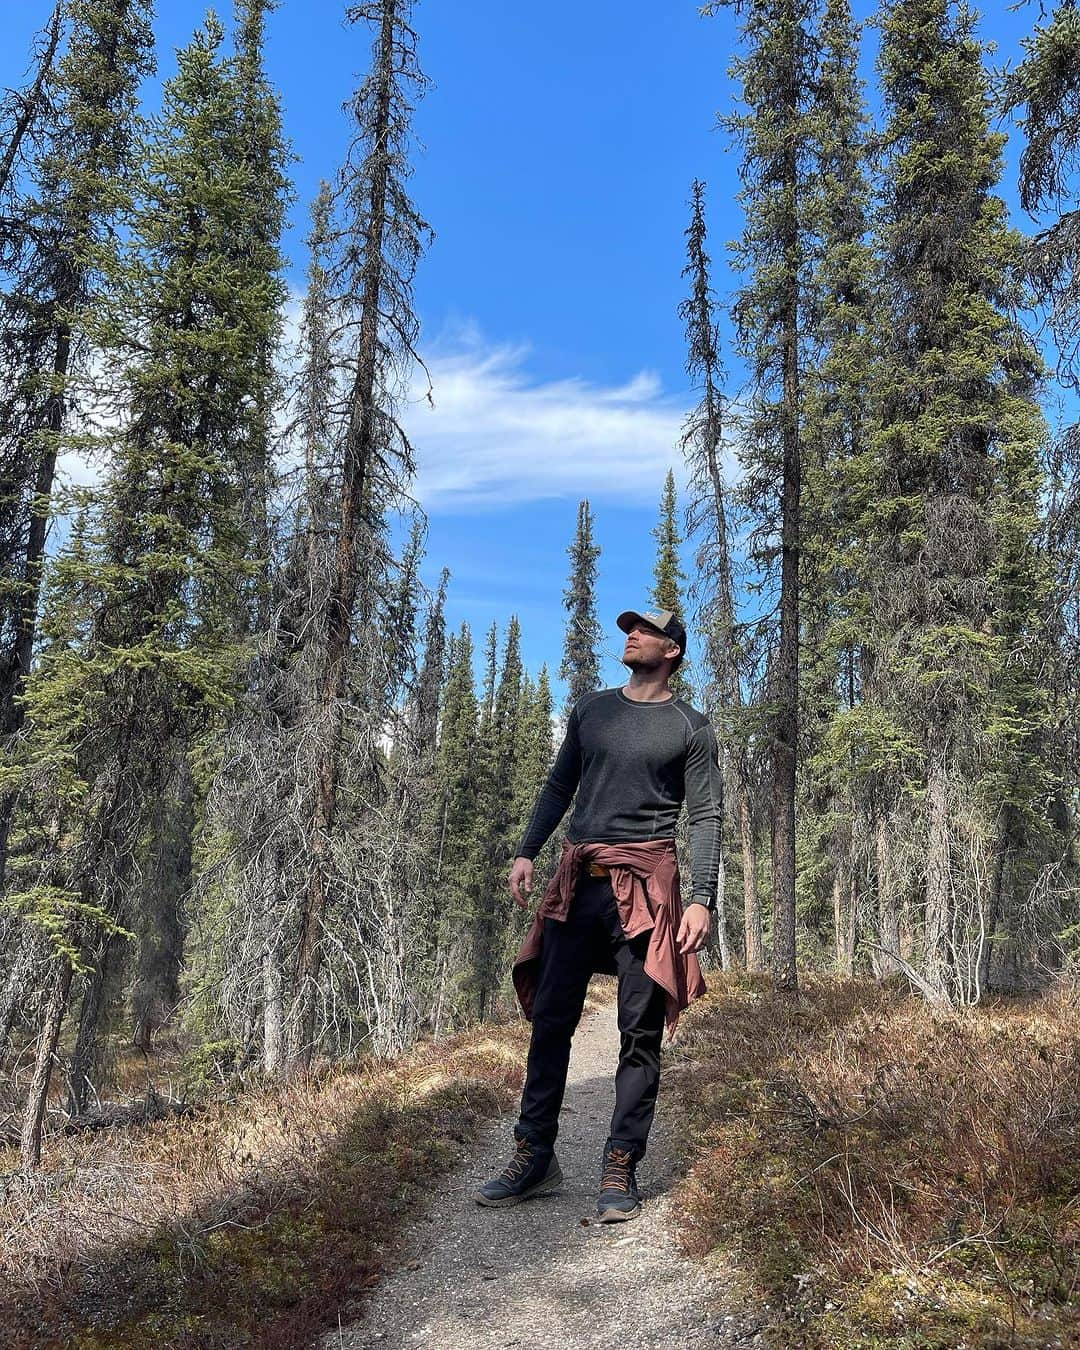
619	1197
533	1170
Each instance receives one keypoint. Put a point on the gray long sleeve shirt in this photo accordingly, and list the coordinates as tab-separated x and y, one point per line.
632	764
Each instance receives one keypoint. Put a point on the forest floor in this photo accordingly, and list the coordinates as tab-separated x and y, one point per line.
845	1171
543	1273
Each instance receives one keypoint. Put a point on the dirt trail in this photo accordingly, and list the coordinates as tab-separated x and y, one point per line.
537	1275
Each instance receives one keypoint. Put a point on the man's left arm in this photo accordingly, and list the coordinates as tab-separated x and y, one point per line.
705	813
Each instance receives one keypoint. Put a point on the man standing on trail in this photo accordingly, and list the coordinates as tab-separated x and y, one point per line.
632	755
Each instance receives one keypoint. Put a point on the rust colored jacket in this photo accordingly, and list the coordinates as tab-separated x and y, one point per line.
645	881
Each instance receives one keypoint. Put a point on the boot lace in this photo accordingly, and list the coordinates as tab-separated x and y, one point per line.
617	1164
518	1163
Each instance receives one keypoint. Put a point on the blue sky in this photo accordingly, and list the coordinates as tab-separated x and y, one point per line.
558	145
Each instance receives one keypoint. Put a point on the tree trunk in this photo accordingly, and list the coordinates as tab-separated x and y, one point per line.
359	449
39	1084
997	911
727	956
82	1060
785	727
845	897
273	974
888	916
755	954
273	1013
13	987
937	921
843	922
168	879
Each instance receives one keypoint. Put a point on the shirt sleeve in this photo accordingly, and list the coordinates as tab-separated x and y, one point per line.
705	812
557	792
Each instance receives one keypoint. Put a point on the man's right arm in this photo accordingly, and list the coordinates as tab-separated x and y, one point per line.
557	792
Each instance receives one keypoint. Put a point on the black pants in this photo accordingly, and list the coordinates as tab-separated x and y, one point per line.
591	939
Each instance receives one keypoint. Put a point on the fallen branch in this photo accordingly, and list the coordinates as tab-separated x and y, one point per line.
150	1108
924	987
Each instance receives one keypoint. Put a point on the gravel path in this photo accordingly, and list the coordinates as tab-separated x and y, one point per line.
539	1274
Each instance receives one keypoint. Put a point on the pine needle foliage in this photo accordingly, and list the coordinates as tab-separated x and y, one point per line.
580	666
953	512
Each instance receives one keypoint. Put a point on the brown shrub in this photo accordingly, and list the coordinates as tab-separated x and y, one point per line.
886	1171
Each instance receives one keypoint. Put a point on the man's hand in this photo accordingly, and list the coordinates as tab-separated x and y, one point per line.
694	929
521	874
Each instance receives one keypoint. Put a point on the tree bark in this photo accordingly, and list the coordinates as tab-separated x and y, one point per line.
888	918
13	987
755	950
39	1084
161	948
785	727
82	1060
937	922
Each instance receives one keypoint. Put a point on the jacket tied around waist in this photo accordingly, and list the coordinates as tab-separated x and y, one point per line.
645	882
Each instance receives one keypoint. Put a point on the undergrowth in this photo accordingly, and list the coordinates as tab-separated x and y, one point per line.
260	1220
891	1176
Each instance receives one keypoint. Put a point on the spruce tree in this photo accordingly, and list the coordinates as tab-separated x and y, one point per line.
499	750
837	426
531	765
708	520
1044	87
258	804
776	70
456	851
953	511
65	267
580	666
380	245
668	576
154	601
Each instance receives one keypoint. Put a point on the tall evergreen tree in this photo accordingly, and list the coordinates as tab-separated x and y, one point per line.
952	514
499	750
167	563
581	662
259	800
777	74
535	749
259	260
837	426
1044	85
383	238
456	860
668	576
66	264
707	519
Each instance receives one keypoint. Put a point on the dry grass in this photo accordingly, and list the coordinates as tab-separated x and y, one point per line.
890	1177
256	1221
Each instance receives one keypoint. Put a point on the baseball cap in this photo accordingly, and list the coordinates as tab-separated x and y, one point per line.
664	619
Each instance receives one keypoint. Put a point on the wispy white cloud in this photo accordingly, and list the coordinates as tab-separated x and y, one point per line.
494	434
497	435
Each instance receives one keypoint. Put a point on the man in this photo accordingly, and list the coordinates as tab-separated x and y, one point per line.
632	755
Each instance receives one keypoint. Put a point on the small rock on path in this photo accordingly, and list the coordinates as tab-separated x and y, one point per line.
536	1274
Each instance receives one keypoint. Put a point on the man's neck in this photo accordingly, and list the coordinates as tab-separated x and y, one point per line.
648	687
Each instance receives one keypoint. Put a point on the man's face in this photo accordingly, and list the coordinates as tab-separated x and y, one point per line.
646	647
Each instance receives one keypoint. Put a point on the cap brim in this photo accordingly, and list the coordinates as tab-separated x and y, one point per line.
628	618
